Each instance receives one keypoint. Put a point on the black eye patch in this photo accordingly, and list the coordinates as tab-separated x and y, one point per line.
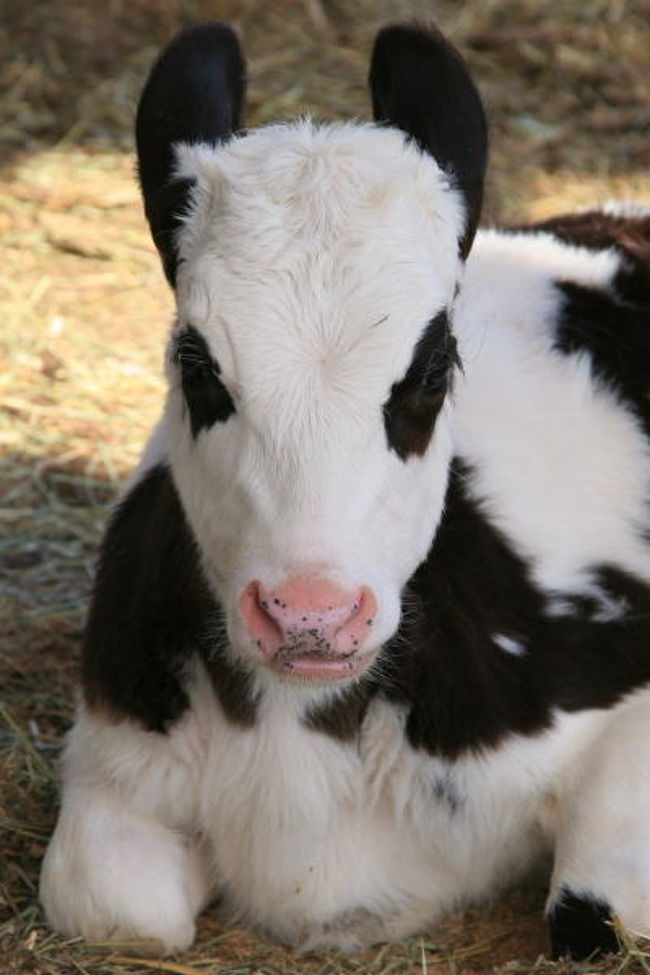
207	399
411	410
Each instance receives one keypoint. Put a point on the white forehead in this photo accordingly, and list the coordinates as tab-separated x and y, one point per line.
308	249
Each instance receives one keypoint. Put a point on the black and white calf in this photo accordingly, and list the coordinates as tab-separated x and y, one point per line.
371	629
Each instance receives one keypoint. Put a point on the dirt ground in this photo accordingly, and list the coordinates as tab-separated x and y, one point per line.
84	309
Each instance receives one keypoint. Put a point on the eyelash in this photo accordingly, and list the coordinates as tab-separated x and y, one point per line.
206	397
436	375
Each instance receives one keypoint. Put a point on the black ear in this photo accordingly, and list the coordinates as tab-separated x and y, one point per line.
420	84
194	94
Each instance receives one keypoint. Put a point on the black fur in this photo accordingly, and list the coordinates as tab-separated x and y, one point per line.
415	401
207	399
597	230
462	690
151	613
445	791
420	84
615	332
581	927
610	324
194	94
343	716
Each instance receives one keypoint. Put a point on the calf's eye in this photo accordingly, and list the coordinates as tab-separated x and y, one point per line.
207	399
415	401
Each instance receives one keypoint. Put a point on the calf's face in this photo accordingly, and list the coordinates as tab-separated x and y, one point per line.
314	269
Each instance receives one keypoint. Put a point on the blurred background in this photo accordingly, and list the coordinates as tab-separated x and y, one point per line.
84	311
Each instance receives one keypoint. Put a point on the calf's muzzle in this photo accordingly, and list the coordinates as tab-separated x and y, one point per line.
309	627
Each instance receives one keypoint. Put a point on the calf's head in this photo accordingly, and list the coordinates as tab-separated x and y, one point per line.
314	268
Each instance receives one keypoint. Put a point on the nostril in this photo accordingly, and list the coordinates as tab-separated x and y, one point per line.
349	612
257	614
354	631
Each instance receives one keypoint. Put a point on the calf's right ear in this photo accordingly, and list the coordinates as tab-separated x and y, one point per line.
420	84
194	93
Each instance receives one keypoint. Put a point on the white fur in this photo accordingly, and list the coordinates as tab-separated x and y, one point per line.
603	845
514	647
318	843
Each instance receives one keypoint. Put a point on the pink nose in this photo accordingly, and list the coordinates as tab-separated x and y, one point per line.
307	617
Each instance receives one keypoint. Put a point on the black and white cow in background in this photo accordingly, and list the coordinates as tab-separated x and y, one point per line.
371	629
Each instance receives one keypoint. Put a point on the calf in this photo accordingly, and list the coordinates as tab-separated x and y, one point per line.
371	630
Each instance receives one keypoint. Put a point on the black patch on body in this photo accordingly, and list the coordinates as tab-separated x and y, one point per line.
465	693
152	612
615	332
194	94
411	410
420	84
445	791
611	324
597	230
342	717
580	927
207	399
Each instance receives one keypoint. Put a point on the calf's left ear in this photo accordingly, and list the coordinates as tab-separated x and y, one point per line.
420	84
194	94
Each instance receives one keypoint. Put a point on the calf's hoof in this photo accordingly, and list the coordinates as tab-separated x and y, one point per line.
581	927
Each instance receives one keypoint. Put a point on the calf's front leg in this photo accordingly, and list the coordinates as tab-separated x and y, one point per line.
602	863
118	867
